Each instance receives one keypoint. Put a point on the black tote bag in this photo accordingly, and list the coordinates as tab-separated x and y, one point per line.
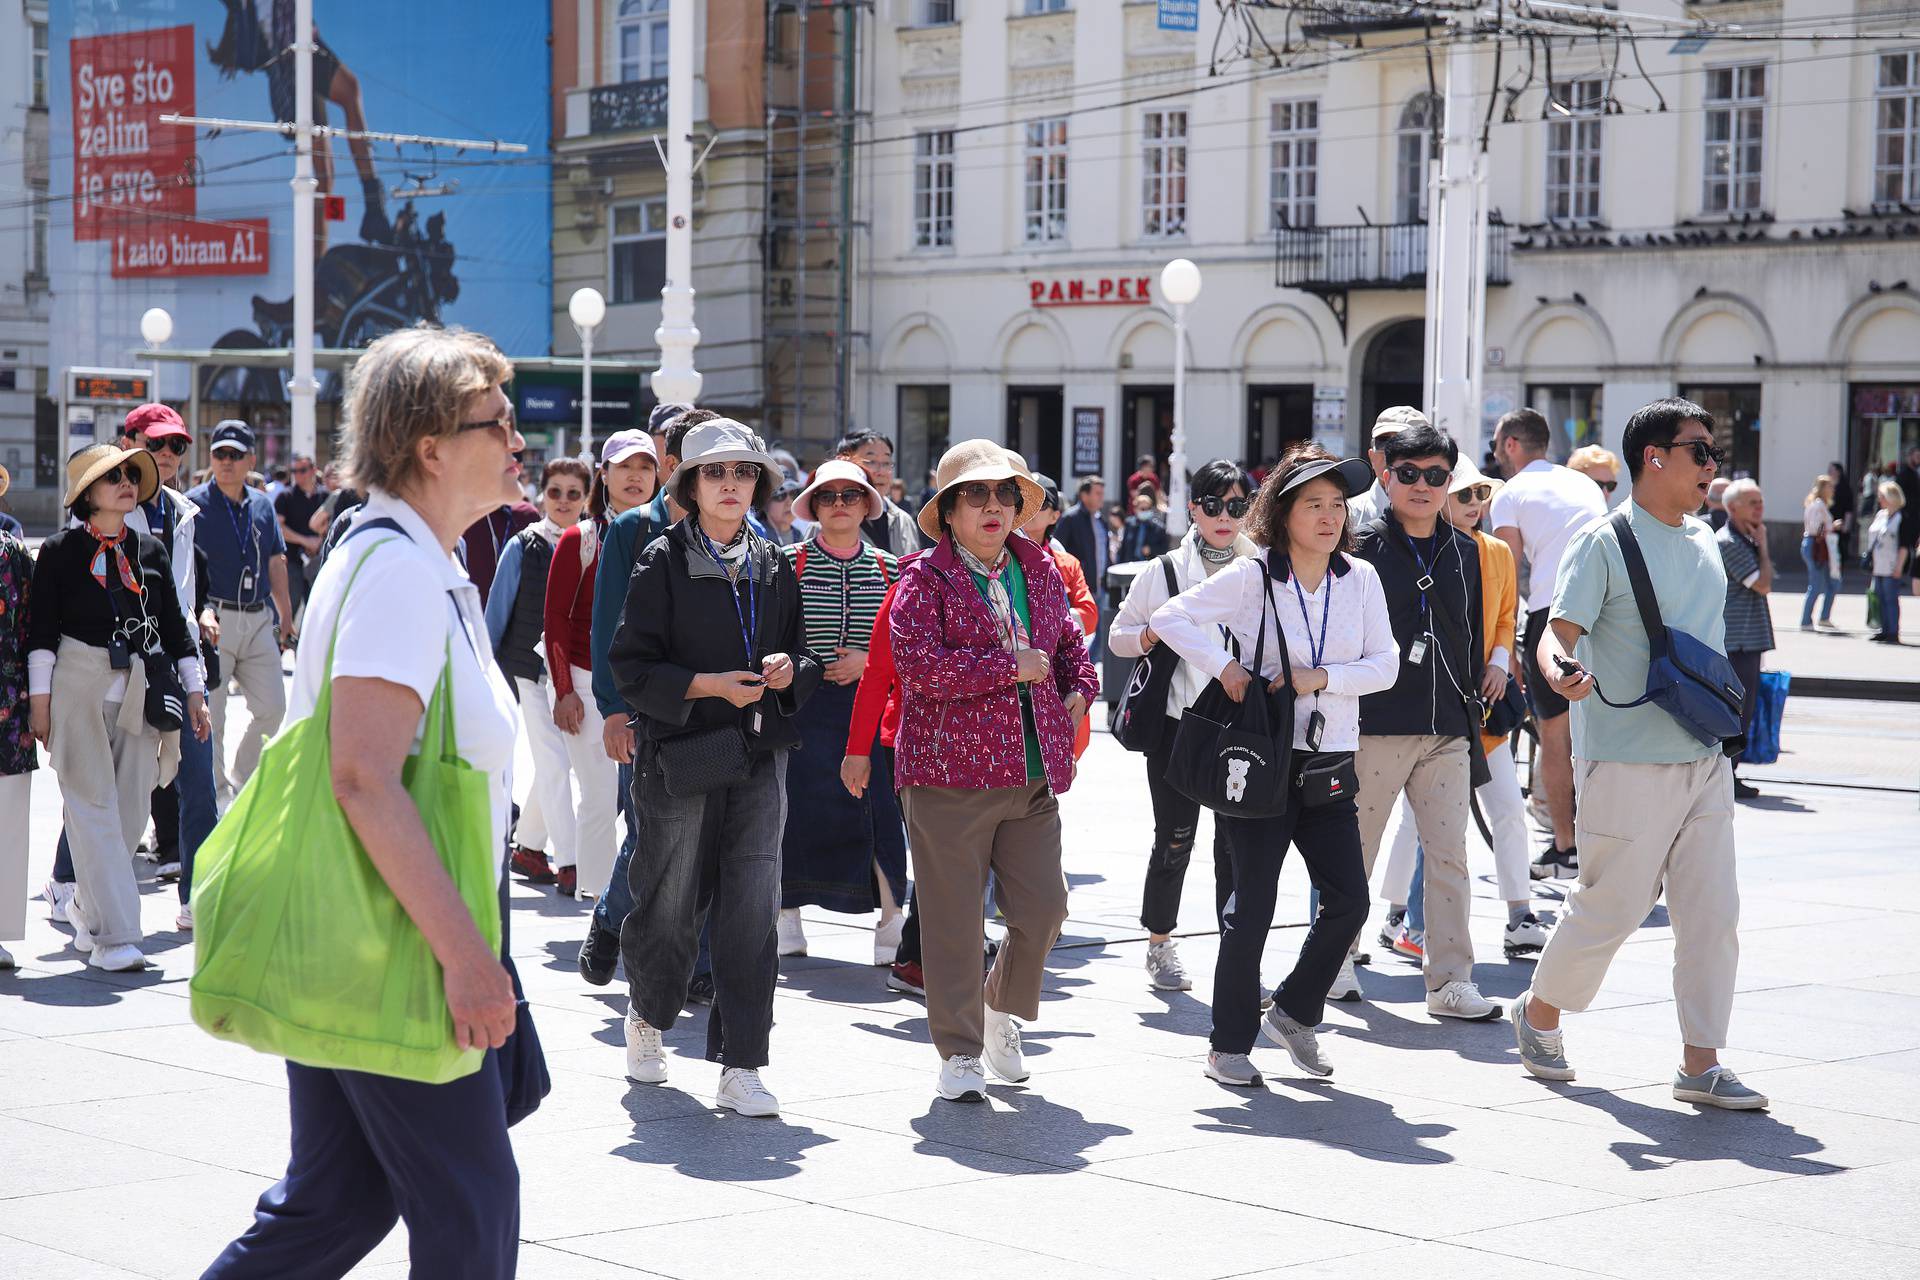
1235	758
1138	721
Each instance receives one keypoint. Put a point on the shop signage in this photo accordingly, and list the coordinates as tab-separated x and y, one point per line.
1179	15
1089	441
545	402
1094	291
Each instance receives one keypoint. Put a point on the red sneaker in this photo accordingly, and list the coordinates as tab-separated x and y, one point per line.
908	978
531	865
569	882
1408	944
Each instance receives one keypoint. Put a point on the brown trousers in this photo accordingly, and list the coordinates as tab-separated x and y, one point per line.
957	836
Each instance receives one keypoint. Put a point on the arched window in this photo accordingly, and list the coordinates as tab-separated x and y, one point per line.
640	34
1414	149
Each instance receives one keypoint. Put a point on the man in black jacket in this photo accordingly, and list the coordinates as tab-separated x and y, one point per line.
1083	532
1419	736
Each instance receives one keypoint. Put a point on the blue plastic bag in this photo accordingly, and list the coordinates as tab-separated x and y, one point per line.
1769	708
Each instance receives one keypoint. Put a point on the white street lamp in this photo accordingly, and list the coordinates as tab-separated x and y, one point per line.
587	309
156	326
1179	286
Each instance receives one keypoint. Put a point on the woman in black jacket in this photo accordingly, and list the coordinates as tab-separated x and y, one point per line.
711	657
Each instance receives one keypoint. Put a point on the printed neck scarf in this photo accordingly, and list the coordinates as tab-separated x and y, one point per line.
1210	553
733	556
997	598
112	550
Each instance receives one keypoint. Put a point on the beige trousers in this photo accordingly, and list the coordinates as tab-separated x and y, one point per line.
1642	826
250	658
16	802
956	836
1434	773
108	759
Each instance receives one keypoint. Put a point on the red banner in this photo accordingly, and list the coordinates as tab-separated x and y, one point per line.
164	247
124	160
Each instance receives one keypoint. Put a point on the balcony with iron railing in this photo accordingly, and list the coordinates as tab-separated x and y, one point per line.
1388	256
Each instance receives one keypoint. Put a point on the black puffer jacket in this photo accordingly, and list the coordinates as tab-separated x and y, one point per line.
1431	697
515	653
679	623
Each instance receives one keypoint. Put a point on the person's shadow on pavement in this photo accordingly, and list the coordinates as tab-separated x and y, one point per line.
1330	1117
722	1147
1012	1122
1753	1138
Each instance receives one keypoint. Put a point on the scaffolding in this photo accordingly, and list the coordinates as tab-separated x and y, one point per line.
808	250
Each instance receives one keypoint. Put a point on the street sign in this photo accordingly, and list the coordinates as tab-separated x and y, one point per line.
334	208
114	386
1179	15
1089	440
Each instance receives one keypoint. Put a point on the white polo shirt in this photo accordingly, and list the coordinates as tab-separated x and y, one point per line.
1548	504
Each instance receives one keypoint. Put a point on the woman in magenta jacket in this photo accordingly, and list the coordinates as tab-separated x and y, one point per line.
995	676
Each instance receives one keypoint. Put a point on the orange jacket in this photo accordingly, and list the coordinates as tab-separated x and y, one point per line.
1087	610
1499	601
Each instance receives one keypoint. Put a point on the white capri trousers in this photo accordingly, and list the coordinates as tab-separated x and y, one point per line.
581	829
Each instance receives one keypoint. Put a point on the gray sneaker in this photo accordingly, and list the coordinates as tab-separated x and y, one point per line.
1542	1053
1299	1040
1235	1069
1164	969
1717	1087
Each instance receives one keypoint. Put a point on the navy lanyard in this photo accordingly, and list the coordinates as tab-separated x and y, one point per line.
750	620
1315	650
1426	570
241	522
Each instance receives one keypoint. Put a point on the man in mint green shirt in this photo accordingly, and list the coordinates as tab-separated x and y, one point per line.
1655	807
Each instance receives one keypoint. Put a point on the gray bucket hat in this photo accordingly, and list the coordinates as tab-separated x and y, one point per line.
723	440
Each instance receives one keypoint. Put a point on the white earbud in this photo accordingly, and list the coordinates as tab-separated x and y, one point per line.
1656	462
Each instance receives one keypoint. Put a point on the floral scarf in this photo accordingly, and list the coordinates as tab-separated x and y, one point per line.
112	550
997	598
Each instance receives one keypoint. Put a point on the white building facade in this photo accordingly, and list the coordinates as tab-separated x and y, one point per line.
1755	245
24	216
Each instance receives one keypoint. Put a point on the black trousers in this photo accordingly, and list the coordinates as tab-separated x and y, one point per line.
1328	837
1175	820
1746	665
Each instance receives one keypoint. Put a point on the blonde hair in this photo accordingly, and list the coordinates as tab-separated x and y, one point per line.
1592	457
411	384
1822	490
1891	496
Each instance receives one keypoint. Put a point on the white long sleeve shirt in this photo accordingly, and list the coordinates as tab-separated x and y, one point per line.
1148	593
1359	654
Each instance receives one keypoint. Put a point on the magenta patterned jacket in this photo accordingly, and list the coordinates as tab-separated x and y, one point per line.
960	712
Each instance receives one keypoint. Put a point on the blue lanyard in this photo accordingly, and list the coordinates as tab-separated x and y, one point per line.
1315	650
1426	569
750	620
237	517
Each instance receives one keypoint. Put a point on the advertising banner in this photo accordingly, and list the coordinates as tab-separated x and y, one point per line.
200	220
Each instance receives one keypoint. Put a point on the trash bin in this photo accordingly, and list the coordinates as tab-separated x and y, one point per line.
1114	671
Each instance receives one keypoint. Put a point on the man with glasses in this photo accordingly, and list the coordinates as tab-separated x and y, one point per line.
295	506
1537	514
1663	799
894	529
247	585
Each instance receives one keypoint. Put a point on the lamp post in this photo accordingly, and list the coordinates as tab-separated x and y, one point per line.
1179	286
587	309
156	326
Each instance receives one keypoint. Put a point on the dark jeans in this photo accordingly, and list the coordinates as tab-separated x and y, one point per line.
1888	591
610	912
1175	820
1746	665
1328	838
189	811
369	1149
714	857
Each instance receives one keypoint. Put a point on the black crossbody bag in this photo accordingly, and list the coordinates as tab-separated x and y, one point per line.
1138	721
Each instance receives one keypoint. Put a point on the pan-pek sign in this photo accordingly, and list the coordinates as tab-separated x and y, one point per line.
1095	291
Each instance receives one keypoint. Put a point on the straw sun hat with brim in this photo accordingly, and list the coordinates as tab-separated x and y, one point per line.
6	482
1466	475
841	470
94	461
980	460
722	440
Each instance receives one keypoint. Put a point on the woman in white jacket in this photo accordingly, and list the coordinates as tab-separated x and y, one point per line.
1219	496
1334	615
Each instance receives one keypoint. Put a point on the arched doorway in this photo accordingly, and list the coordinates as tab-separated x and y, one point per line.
1394	371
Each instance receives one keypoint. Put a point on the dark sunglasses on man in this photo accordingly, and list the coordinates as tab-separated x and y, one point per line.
976	493
1213	504
1704	451
1408	474
503	427
174	445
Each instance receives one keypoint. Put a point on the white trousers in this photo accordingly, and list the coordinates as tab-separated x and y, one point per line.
1506	813
16	803
531	830
580	820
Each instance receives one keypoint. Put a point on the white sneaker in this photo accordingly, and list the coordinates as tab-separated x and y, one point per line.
1003	1047
1236	1069
184	920
58	895
886	939
1346	983
742	1093
1459	999
1164	970
793	938
82	927
646	1059
962	1080
121	958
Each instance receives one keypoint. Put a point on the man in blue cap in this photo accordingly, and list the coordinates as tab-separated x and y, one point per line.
247	587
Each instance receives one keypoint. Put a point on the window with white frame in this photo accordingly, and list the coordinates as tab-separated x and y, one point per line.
1412	150
1896	133
937	13
1043	6
1293	163
1573	151
933	189
1734	137
1045	185
637	265
39	63
640	34
1163	173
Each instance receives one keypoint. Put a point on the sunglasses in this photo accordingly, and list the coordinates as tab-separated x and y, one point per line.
172	444
1473	493
1407	473
115	475
1007	493
742	472
1213	504
1607	486
1704	451
502	426
847	497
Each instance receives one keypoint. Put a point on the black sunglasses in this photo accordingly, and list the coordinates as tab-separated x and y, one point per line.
1607	486
1407	473
744	472
1474	493
1704	451
504	426
848	497
172	444
1213	504
114	475
976	494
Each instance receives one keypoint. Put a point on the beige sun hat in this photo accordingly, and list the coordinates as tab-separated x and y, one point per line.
839	469
94	461
6	482
972	460
1466	475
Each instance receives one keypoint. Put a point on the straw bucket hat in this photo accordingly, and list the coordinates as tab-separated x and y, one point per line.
972	460
1466	475
6	482
839	469
94	461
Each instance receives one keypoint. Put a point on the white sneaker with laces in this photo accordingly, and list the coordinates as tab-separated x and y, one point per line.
1164	970
1003	1047
1346	983
183	921
742	1093
792	936
58	895
646	1057
1236	1069
82	927
886	939
962	1079
121	958
1459	999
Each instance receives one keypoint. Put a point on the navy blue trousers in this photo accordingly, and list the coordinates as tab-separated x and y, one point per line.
371	1150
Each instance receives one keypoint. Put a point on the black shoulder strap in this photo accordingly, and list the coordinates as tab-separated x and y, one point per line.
380	522
1642	585
1173	579
1267	606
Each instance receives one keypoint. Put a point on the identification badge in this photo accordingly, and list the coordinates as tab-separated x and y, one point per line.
1417	652
755	721
119	656
1316	725
246	585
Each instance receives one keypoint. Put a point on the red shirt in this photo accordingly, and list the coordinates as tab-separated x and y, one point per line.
569	611
876	700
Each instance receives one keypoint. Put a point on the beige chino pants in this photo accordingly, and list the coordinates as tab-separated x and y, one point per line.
249	657
1435	774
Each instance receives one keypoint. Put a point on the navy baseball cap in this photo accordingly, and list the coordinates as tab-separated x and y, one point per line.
232	434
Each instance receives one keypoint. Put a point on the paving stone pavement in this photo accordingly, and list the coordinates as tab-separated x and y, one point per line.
133	1145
